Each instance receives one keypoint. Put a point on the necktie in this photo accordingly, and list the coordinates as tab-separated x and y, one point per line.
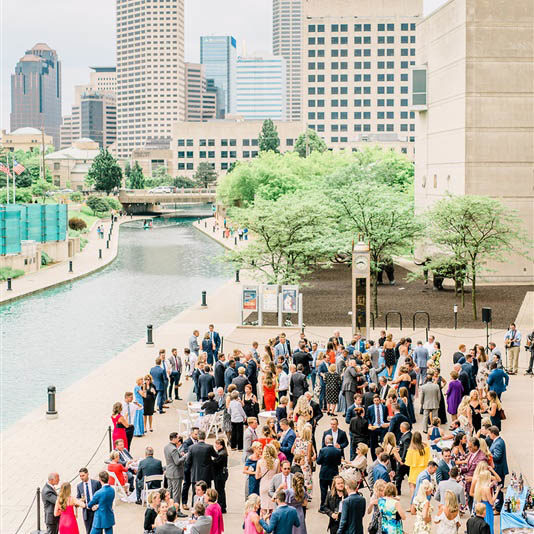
129	418
87	492
379	416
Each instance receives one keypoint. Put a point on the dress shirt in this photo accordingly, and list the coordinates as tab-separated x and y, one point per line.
334	436
128	412
283	381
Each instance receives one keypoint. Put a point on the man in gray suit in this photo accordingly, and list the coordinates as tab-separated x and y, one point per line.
282	480
193	342
430	396
451	484
349	382
169	527
175	361
175	459
203	523
49	496
420	358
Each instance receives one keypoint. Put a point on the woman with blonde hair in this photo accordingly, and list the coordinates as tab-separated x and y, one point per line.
485	494
64	509
358	466
267	467
391	511
297	497
417	458
423	509
333	387
251	464
389	444
464	414
252	519
448	520
303	412
485	449
304	445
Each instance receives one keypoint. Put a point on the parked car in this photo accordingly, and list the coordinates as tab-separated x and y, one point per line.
161	189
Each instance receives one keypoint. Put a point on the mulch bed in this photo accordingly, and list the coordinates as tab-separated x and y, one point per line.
327	301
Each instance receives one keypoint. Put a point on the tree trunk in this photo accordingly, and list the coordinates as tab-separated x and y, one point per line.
375	294
463	296
473	292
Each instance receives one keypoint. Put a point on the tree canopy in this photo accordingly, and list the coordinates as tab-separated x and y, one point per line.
105	173
268	138
309	142
136	178
205	174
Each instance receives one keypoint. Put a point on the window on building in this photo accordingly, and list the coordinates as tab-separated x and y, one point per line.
189	154
202	142
320	28
189	142
311	40
246	142
333	139
311	27
246	154
181	142
181	166
189	166
233	142
366	27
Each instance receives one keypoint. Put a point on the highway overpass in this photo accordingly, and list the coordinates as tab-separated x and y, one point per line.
136	201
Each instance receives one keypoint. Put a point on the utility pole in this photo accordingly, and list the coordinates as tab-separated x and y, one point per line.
43	152
7	177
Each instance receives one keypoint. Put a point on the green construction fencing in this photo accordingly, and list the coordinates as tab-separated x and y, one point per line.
36	222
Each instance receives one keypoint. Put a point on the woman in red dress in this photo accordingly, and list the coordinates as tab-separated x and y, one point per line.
119	432
64	509
269	393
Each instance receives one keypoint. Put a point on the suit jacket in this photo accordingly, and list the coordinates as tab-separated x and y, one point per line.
498	450
175	365
193	344
342	439
280	350
229	375
207	347
450	485
94	486
124	456
149	466
49	497
442	472
287	443
298	384
157	377
216	338
277	481
371	414
174	461
404	444
349	380
252	371
202	525
477	525
207	384
352	512
248	438
329	459
218	374
384	390
304	358
380	473
240	381
430	396
169	528
282	521
395	423
317	413
368	399
199	460
104	516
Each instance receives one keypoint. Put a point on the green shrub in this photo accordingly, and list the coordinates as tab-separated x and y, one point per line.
77	224
76	196
46	259
113	203
83	242
9	272
97	204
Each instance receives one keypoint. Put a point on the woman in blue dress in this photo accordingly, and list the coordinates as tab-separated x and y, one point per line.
250	469
485	494
297	497
139	394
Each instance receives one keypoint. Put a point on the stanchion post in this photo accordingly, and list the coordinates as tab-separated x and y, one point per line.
9	284
99	253
107	243
235	241
149	340
455	316
237	276
110	441
280	302
203	301
38	500
301	312
70	266
51	413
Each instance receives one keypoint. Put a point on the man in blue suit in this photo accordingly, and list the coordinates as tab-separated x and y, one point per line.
352	510
86	489
498	450
380	471
378	424
329	459
159	383
287	441
102	505
215	339
283	519
395	422
339	437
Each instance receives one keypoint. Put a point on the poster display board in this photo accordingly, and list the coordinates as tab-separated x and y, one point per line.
269	298
290	299
250	298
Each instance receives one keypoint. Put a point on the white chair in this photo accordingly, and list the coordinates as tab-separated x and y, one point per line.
120	492
184	422
146	490
215	424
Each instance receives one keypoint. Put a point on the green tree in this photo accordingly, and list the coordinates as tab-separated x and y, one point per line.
136	179
41	188
205	174
22	195
97	204
105	173
127	170
76	197
233	165
287	242
308	142
382	214
268	138
183	181
475	230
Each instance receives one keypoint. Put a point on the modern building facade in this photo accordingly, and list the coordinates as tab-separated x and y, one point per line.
25	139
104	79
261	88
150	72
218	54
473	93
36	91
287	42
200	102
357	56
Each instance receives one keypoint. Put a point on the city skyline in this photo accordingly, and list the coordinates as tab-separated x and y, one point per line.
250	22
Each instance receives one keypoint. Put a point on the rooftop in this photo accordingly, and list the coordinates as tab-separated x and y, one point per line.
104	69
26	130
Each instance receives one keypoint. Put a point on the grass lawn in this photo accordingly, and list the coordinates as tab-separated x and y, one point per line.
89	219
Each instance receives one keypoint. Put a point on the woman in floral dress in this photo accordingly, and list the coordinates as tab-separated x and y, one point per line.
391	509
303	445
423	509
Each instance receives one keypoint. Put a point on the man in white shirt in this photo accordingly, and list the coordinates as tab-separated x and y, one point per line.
128	412
283	381
512	341
429	345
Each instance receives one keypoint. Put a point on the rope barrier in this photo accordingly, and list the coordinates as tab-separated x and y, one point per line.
27	513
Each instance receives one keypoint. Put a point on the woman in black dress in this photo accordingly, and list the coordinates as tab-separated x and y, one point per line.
389	355
220	472
149	400
333	499
250	402
441	382
333	387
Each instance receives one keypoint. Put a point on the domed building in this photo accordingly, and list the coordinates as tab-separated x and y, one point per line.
25	138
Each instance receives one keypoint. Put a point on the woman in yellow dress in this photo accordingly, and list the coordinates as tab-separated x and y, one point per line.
417	458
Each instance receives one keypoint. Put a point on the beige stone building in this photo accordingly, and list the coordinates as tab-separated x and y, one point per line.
200	103
152	159
25	138
473	92
356	57
69	166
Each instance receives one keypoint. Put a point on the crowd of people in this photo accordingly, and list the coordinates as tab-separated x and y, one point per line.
271	401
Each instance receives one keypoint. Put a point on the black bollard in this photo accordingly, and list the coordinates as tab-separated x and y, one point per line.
38	501
205	224
237	275
70	266
204	304
235	241
99	253
149	335
213	228
51	412
107	243
9	284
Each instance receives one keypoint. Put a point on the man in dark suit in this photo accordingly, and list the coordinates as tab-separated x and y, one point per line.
352	510
339	437
188	443
349	385
383	388
288	438
215	339
229	374
329	459
283	519
303	356
218	371
126	459
206	383
159	383
395	422
368	396
252	372
444	465
147	467
49	496
498	450
200	460
298	384
400	454
477	524
85	490
102	505
378	424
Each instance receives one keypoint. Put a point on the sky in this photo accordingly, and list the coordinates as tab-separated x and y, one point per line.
83	34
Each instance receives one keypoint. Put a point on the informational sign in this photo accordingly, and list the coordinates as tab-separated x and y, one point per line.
269	298
290	299
250	298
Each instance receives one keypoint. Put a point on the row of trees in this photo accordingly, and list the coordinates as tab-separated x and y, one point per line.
307	211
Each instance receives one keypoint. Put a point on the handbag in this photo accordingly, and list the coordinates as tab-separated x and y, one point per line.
375	526
502	414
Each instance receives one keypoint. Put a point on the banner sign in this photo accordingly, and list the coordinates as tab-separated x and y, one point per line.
269	298
250	298
290	299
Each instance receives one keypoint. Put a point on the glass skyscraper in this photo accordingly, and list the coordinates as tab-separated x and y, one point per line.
218	54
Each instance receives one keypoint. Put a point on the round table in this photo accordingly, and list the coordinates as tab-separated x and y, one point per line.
263	416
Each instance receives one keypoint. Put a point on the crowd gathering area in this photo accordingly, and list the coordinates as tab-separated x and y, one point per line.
343	436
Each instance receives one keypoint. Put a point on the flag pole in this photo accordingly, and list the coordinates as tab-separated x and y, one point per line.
7	178
14	180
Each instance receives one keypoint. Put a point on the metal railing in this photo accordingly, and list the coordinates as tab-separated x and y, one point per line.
397	313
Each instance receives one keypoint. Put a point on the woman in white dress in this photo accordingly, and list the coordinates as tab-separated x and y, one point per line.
448	520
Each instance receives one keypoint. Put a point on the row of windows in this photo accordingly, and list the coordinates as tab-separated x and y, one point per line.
357	90
357	103
190	167
211	154
390	77
358	52
320	28
358	65
226	142
335	115
366	39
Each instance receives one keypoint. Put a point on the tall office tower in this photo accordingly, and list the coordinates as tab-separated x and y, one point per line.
36	91
104	79
287	42
218	54
261	88
358	55
200	103
150	72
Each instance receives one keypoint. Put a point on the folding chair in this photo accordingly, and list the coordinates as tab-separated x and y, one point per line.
215	424
120	492
146	490
184	422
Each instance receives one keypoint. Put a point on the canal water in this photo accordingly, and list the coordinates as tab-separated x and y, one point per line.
61	334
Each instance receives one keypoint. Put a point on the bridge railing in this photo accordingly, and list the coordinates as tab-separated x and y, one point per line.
178	190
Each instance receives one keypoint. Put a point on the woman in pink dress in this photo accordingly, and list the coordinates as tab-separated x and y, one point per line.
267	467
214	510
65	510
252	519
119	432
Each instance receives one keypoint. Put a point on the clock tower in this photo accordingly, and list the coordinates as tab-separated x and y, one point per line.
361	287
